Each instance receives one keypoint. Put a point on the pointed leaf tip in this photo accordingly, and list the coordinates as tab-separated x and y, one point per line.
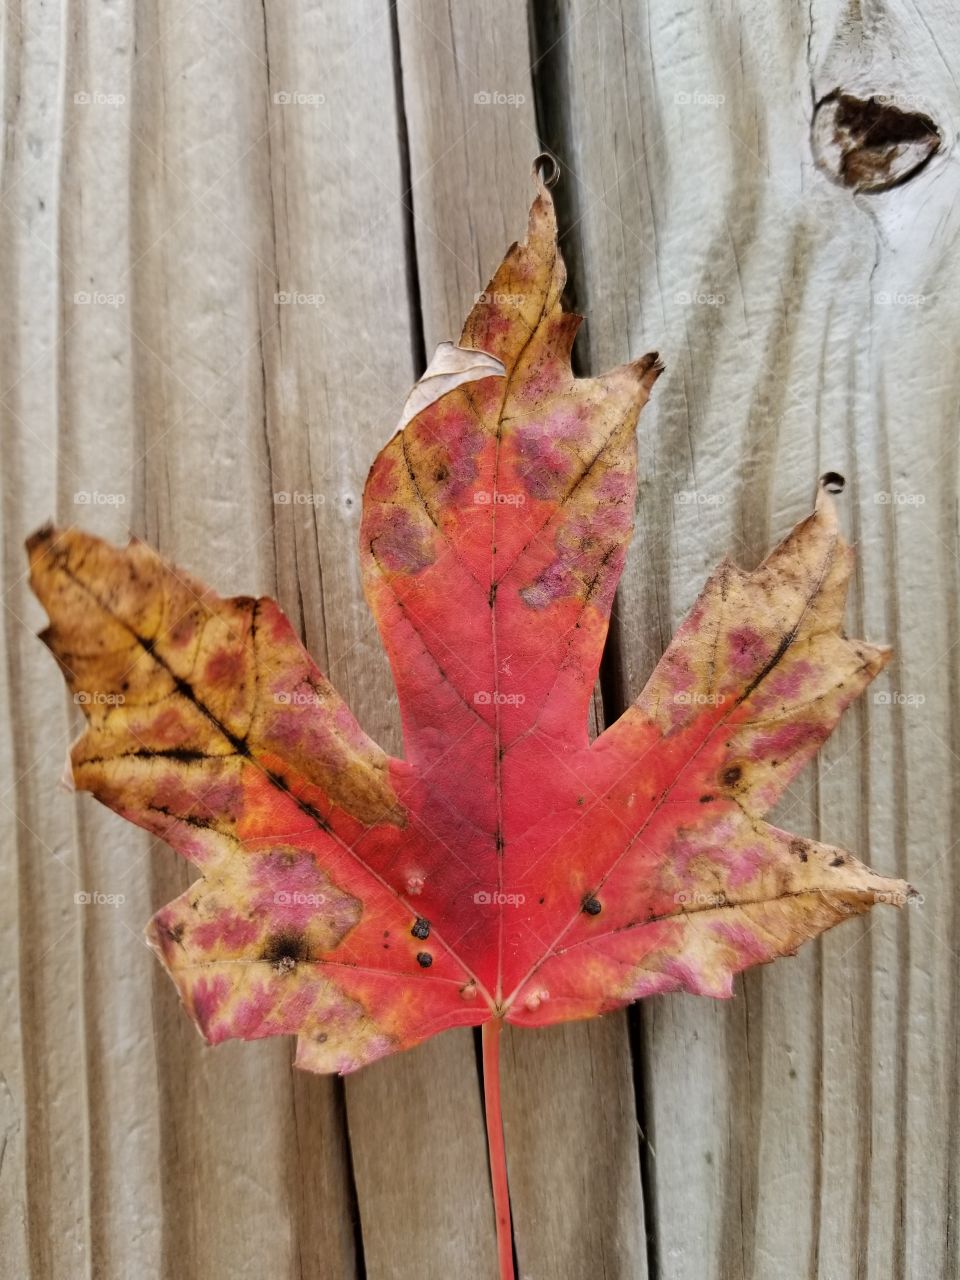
647	369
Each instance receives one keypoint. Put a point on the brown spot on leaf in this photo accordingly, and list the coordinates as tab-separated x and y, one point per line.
286	950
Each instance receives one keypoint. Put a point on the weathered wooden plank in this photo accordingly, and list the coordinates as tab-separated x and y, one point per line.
42	1144
803	326
202	277
341	370
82	1138
468	90
113	1085
19	68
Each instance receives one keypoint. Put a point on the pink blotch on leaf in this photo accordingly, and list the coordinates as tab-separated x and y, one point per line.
616	486
225	667
210	799
544	465
382	482
207	997
292	891
743	940
251	1012
784	687
748	650
167	729
182	632
683	974
555	582
541	382
455	441
494	323
226	932
784	742
399	543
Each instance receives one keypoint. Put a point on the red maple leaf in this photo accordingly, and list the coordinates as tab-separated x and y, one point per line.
506	867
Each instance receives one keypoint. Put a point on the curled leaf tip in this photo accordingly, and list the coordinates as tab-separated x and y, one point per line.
648	368
546	170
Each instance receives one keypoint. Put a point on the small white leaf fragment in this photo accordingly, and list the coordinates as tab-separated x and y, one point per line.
450	368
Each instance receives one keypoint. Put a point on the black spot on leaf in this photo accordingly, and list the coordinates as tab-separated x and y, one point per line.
286	950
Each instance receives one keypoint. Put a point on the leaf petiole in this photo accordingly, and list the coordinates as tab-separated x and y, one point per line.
490	1041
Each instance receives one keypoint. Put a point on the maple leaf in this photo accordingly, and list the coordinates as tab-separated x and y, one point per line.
506	867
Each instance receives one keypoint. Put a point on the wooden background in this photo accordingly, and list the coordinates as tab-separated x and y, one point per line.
171	171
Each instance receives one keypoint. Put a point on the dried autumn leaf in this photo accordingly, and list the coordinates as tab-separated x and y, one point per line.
505	868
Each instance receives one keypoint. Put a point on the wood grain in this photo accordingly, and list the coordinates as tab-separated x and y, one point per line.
229	237
797	1130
